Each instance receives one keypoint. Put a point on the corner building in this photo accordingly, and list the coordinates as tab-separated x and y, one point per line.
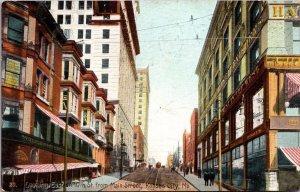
249	72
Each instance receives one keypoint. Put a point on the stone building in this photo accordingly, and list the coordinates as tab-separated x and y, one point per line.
249	75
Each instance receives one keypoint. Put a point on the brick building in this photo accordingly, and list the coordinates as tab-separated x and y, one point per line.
40	70
249	95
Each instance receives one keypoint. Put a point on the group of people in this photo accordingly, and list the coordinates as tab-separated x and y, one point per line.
209	176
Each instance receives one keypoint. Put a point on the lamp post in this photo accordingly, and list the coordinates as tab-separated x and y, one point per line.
66	105
121	163
220	147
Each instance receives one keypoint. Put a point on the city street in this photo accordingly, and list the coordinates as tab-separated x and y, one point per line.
144	179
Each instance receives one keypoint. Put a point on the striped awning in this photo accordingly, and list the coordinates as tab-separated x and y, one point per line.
56	120
292	85
44	168
293	154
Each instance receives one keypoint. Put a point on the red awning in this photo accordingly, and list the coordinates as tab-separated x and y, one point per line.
293	154
45	168
293	85
56	120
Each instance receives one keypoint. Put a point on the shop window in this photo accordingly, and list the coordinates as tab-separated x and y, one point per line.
258	108
292	94
239	122
238	167
225	167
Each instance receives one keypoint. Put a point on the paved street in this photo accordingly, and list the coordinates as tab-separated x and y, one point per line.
152	180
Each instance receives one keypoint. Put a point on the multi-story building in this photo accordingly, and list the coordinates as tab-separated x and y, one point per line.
106	33
170	160
33	99
142	91
249	75
138	144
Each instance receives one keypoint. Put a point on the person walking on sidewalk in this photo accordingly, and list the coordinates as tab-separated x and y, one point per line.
211	178
199	172
206	178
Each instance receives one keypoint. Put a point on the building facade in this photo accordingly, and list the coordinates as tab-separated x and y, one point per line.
142	91
249	76
138	145
33	84
106	33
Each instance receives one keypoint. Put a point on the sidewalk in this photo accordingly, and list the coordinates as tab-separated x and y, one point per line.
199	183
95	184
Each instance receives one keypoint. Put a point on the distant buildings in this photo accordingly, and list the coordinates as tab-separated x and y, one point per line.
190	143
138	145
170	160
142	89
106	33
249	72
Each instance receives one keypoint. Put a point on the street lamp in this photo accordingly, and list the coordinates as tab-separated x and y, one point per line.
66	105
219	146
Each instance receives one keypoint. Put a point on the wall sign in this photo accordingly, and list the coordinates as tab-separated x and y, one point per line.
285	11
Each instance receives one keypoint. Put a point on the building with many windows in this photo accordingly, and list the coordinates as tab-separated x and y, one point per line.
138	145
106	33
249	73
34	99
142	89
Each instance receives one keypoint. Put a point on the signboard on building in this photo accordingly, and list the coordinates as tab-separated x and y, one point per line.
282	62
285	122
12	74
287	11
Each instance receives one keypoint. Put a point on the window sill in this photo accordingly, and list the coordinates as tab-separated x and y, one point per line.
43	99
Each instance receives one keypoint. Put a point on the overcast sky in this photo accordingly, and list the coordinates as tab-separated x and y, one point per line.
171	45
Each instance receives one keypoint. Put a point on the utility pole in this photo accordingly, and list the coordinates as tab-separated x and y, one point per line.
220	147
66	105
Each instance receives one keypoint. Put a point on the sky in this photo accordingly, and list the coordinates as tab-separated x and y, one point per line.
171	35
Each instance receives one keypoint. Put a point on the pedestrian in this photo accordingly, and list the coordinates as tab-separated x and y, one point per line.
206	178
187	169
199	172
211	178
183	168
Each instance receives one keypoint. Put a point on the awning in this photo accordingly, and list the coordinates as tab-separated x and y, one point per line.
56	120
45	168
292	85
293	155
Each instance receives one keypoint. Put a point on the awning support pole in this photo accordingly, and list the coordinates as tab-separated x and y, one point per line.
24	182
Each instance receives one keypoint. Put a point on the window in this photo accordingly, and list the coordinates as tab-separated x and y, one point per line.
237	78
105	48
226	132
140	100
224	95
210	144
84	117
80	34
104	78
105	63
86	93
140	94
60	5
97	127
237	44
12	72
254	13
67	33
98	105
46	46
81	4
80	46
225	66
65	104
88	34
225	41
238	12
40	43
68	5
60	19
296	38
89	4
258	108
217	61
15	29
139	123
66	70
209	74
140	106
105	33
87	48
254	54
10	115
216	108
88	19
239	122
87	63
45	87
80	19
216	82
217	140
68	19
